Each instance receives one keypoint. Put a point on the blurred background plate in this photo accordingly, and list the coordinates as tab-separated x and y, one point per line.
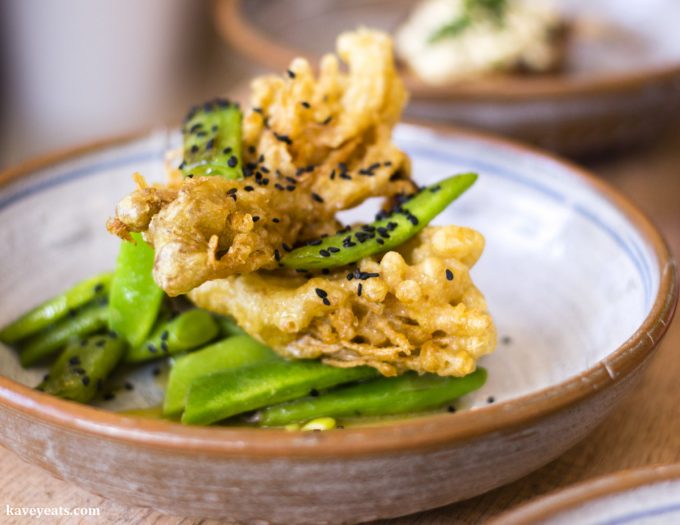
620	85
647	496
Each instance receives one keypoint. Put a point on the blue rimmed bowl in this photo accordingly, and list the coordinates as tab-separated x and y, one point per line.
580	284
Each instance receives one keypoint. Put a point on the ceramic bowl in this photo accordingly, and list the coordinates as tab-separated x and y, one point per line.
580	284
645	496
620	84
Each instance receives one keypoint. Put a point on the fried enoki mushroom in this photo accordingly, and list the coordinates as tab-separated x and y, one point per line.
415	308
311	147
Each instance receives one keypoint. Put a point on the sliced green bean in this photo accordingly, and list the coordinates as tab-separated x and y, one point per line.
235	352
225	394
84	322
82	367
189	330
405	221
57	308
385	396
212	140
135	298
228	326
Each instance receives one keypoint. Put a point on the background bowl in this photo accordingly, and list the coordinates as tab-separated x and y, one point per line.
645	496
620	85
581	286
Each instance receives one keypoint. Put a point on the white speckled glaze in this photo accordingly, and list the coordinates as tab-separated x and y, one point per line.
580	286
647	496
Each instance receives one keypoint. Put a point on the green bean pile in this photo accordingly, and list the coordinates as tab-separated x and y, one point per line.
217	371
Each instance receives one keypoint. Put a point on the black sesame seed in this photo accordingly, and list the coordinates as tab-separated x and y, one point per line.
327	120
305	104
290	73
317	197
257	110
251	150
248	188
315	242
283	138
314	392
490	399
99	288
290	187
451	408
85	380
279	187
75	360
333	249
276	220
79	371
380	241
194	149
232	162
255	218
196	127
435	189
324	253
227	150
326	301
321	292
277	255
152	348
360	289
449	275
164	346
286	247
232	191
165	335
210	144
113	334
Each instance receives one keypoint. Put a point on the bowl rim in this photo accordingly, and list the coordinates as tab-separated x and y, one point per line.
235	28
555	503
418	434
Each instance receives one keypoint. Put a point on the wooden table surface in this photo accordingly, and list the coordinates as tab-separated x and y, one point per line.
642	431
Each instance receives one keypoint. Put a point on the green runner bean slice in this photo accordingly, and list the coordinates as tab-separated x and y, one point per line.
228	326
231	353
225	394
409	393
212	140
56	308
135	298
86	321
187	331
404	222
82	367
